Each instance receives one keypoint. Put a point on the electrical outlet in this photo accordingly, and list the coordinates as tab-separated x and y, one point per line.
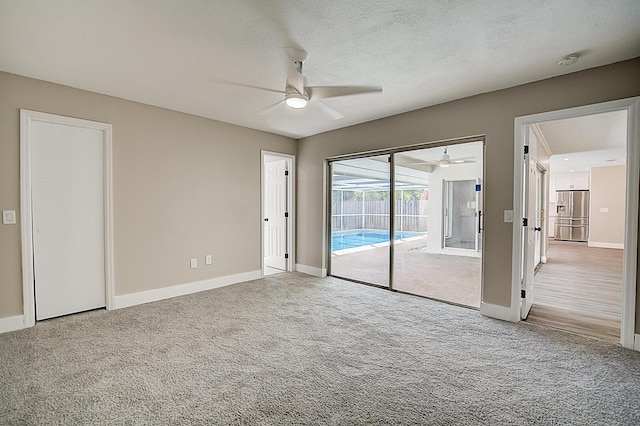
207	259
194	263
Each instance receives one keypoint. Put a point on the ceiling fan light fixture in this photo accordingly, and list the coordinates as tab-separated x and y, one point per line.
445	161
296	100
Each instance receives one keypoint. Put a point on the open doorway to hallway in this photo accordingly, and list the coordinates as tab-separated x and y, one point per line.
428	241
579	287
590	221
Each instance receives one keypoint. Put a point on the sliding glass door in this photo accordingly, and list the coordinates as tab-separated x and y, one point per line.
360	221
432	199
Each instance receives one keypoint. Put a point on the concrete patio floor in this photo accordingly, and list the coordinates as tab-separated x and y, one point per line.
446	277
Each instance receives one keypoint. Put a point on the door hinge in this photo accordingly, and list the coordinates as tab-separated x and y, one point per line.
523	294
525	221
286	172
526	149
286	255
286	214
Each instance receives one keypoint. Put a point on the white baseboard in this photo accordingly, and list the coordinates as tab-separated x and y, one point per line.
496	311
636	343
543	259
180	290
11	323
606	245
311	270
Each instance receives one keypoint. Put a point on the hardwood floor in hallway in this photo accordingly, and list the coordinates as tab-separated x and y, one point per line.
579	289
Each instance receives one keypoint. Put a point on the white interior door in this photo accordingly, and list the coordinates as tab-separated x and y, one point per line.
67	178
275	220
530	212
538	218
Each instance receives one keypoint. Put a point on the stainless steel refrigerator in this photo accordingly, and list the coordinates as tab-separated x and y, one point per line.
572	215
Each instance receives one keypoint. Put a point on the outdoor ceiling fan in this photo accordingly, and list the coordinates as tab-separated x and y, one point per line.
297	94
446	160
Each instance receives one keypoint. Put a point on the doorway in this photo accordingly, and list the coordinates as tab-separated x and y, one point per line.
525	193
409	220
461	211
66	213
277	212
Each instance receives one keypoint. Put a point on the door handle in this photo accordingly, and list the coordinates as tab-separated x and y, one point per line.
538	229
266	219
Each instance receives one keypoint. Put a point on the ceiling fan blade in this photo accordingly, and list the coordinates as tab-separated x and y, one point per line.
248	86
270	108
323	92
331	112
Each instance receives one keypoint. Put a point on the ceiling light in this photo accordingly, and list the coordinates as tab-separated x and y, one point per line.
570	171
296	100
568	60
566	159
445	161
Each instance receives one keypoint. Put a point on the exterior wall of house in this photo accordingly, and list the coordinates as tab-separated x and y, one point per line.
184	187
491	114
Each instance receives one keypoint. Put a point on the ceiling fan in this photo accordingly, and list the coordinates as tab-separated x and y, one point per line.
297	94
446	160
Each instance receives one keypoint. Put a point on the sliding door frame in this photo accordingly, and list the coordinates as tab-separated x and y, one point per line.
392	219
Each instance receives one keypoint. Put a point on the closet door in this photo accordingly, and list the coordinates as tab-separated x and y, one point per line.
67	177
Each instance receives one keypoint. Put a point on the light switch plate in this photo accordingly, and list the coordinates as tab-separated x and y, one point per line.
207	259
508	216
194	263
9	217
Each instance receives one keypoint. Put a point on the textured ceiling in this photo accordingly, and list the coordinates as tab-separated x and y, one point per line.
577	144
183	54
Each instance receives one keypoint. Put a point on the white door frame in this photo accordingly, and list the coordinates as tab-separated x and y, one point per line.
291	191
27	117
632	106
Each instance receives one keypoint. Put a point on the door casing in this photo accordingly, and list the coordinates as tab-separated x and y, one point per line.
291	203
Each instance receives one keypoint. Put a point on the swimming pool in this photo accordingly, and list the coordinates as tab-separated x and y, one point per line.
364	237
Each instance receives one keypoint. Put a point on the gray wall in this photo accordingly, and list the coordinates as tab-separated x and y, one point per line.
491	114
184	187
608	189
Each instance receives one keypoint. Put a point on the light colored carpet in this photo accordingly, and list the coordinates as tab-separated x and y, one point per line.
294	349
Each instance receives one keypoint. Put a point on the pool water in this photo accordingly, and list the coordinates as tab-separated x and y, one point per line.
364	237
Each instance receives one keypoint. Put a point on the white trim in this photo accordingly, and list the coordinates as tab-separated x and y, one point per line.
26	118
606	245
636	344
632	106
543	259
311	270
543	141
12	323
291	208
154	295
499	312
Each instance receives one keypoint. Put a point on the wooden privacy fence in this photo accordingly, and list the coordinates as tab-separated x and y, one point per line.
411	215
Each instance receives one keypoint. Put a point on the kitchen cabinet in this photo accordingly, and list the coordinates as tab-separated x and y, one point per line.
573	182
